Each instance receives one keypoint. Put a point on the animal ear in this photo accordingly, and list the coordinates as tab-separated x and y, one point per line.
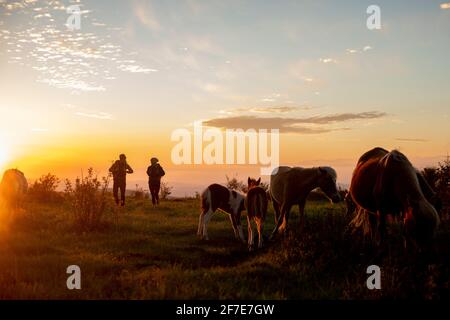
322	170
248	181
259	181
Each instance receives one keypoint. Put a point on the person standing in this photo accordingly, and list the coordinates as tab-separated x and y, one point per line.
119	170
155	172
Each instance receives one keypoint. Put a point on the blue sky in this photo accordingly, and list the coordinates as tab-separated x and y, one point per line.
137	70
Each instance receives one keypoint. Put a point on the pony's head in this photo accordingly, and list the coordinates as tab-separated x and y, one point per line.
420	221
252	183
327	182
420	216
351	206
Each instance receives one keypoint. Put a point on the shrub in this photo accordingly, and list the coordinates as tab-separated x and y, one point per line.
235	184
140	194
44	189
165	191
439	179
238	185
88	199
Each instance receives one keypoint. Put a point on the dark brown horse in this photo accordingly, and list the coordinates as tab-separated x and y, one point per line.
386	183
256	203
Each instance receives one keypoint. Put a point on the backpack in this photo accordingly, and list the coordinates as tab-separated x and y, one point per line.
155	171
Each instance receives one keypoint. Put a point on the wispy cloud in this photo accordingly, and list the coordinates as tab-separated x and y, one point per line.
135	69
100	115
364	49
271	97
308	125
445	5
328	60
78	61
352	51
411	140
145	14
281	109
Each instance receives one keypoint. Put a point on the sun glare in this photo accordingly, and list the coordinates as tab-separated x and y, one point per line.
4	154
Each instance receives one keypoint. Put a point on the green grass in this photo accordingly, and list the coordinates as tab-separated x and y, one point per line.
153	253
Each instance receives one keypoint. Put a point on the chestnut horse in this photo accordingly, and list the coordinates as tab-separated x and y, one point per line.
290	186
256	203
386	183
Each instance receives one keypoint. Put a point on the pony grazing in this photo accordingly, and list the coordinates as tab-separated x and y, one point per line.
290	186
386	183
13	188
219	197
256	203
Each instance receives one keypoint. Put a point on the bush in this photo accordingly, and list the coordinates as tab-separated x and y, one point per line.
439	179
44	189
140	194
235	184
241	186
88	199
165	191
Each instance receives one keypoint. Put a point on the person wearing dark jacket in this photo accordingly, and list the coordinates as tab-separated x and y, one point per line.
155	172
119	171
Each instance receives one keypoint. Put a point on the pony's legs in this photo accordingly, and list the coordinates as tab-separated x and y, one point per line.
382	227
234	225
250	233
200	224
282	221
285	211
276	210
206	219
239	227
259	224
301	210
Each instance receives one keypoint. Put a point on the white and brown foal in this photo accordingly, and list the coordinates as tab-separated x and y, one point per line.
256	203
219	197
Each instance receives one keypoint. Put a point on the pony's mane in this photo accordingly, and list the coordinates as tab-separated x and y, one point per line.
398	156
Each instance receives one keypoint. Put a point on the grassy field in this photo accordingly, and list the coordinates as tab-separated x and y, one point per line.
153	253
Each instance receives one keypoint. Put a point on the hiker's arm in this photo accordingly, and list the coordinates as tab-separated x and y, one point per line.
129	170
112	168
162	172
148	171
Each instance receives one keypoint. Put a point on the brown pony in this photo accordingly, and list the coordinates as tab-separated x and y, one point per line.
386	183
290	186
256	203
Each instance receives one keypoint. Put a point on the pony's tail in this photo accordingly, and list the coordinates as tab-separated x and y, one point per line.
262	204
268	195
205	200
361	221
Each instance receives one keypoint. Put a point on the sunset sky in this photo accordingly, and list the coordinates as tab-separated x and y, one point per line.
138	70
